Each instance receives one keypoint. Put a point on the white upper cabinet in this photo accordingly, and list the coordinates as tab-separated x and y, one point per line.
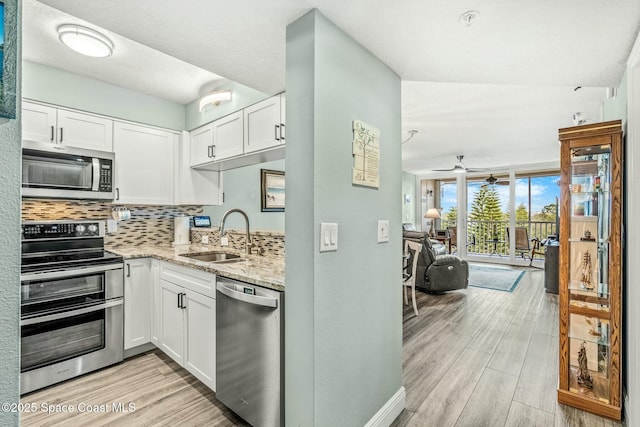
228	136
39	123
250	136
145	161
263	125
195	187
201	150
43	123
85	130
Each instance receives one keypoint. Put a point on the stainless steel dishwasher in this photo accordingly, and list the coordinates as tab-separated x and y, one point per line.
249	351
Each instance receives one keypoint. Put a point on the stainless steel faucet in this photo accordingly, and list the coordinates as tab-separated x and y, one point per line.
246	218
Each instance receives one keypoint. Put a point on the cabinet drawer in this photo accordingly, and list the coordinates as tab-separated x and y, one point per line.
196	280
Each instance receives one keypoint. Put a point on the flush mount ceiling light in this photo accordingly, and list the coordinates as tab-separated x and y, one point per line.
214	98
85	40
469	17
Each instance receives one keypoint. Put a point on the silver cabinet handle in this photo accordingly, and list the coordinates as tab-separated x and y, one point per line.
248	298
213	151
209	151
282	133
61	135
128	270
53	131
63	315
117	194
277	128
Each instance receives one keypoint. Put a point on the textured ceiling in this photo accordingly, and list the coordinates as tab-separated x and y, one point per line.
538	51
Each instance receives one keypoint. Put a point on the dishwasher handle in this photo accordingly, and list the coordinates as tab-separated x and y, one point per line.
248	298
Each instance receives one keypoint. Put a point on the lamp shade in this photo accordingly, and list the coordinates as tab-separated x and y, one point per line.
432	213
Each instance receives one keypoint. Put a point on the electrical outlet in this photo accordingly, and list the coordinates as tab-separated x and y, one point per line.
224	241
205	240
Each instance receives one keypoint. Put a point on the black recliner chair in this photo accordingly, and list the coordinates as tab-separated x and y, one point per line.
440	273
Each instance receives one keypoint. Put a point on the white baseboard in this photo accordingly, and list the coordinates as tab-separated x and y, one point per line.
389	411
627	420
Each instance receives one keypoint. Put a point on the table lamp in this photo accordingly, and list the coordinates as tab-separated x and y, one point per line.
433	214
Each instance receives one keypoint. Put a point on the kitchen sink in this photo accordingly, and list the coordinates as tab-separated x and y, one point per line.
213	256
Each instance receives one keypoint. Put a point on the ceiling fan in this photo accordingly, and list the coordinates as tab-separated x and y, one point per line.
493	180
459	167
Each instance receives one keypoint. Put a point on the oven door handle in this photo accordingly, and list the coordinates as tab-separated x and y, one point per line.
69	273
71	313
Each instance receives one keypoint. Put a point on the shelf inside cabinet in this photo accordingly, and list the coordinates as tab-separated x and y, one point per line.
582	240
597	313
592	339
599	391
592	297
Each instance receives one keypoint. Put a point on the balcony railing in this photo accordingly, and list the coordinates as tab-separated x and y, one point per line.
490	237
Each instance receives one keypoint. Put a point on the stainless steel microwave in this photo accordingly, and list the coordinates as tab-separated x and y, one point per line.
62	172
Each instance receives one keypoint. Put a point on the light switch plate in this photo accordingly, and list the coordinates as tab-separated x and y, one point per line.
328	236
224	241
205	240
383	231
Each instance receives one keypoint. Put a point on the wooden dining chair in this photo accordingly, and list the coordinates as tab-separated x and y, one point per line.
409	280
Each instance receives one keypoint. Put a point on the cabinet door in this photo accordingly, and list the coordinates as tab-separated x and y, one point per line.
227	136
172	326
85	131
137	294
200	357
262	125
156	305
195	187
201	146
144	164
38	123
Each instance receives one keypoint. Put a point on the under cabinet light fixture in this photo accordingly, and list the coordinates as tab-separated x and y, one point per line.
85	41
215	98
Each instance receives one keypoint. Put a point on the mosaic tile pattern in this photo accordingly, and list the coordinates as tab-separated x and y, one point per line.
270	242
149	225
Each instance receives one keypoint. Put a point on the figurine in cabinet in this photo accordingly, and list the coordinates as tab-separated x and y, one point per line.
585	279
584	377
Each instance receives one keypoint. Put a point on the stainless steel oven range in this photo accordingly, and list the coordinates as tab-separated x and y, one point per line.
71	311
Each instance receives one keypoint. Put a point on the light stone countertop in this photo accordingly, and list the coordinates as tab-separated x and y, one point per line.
266	271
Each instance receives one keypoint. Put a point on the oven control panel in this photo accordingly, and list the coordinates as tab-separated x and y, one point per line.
62	230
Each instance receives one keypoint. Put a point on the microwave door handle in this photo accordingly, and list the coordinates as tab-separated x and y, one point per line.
95	163
65	314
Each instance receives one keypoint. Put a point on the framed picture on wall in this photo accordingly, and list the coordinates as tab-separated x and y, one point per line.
272	190
8	49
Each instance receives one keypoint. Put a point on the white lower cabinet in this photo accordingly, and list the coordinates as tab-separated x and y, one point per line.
188	320
137	310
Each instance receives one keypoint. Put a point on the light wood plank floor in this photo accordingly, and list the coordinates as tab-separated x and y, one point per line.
164	394
481	357
476	357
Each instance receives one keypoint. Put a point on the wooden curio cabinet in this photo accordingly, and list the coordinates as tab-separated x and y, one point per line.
591	268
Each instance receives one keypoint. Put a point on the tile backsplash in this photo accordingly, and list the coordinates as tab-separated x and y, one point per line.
270	242
148	224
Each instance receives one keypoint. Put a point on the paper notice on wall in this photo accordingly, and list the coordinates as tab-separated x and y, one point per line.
366	155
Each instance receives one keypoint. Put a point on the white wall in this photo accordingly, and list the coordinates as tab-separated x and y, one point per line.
10	239
59	87
242	190
632	232
343	347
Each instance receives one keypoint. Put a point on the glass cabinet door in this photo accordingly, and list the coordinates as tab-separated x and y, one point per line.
589	304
